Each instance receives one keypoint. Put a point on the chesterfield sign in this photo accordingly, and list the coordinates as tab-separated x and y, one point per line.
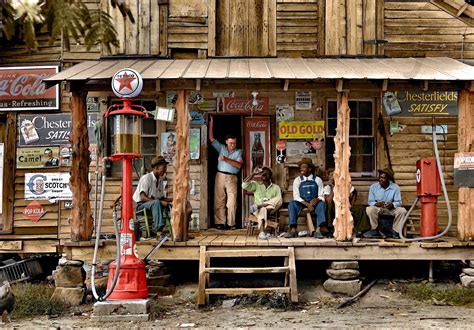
22	88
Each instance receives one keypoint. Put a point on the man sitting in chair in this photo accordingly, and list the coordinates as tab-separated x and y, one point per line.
307	193
267	197
149	194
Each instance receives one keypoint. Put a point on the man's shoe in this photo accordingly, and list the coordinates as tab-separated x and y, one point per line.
220	227
374	233
318	235
262	235
232	227
394	234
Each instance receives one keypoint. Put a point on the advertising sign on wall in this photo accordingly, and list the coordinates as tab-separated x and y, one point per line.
464	169
22	88
242	105
47	186
257	143
50	129
37	157
34	211
301	130
421	103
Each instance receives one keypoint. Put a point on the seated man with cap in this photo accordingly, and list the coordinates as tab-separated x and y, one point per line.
307	193
385	198
150	194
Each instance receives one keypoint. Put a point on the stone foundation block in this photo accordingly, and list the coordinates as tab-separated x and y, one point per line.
343	274
349	288
71	296
69	276
467	281
344	265
468	271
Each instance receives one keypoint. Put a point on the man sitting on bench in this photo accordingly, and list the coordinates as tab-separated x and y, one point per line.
385	200
307	192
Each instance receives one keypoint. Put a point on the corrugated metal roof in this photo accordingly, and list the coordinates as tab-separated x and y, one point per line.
431	68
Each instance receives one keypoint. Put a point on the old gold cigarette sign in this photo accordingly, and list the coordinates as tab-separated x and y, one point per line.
301	129
421	103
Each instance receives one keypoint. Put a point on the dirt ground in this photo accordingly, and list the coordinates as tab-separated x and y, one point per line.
381	307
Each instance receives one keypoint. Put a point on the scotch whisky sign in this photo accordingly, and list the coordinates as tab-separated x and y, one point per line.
22	88
421	103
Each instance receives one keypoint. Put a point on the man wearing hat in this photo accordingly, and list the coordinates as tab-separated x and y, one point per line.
149	194
385	198
307	193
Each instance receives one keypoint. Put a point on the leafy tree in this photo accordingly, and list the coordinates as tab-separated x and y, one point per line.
20	20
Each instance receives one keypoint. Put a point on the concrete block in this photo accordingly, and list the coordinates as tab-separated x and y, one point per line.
121	318
343	274
344	265
122	307
349	288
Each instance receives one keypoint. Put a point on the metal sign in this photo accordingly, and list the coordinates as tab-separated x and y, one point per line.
301	129
421	103
464	169
47	186
127	83
37	157
22	88
34	211
50	129
241	105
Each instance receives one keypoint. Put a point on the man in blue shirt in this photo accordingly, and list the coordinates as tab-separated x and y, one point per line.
385	198
225	190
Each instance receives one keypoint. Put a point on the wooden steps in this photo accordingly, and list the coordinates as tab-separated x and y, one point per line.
289	268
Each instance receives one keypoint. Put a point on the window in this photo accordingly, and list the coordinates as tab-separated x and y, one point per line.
361	136
148	137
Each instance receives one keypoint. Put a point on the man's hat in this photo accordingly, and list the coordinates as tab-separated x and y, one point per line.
306	161
158	160
389	172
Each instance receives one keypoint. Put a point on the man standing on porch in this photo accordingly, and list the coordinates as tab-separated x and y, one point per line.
225	191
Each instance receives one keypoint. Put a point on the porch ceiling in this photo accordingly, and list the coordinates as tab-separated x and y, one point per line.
431	68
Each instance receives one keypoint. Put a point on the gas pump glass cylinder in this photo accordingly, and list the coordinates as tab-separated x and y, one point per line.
127	129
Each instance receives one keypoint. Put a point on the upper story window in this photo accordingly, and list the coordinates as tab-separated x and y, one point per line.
361	136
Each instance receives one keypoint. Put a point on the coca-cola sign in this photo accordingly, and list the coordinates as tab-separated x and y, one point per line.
243	105
22	88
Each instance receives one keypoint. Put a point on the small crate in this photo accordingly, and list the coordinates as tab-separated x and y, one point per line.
20	271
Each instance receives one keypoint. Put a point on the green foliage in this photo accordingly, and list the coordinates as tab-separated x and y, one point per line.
69	20
34	300
449	294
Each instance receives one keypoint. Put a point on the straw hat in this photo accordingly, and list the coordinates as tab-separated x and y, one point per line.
389	172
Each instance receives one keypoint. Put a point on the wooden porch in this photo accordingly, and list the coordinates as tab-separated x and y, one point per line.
306	248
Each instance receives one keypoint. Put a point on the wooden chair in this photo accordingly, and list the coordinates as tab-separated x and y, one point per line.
142	218
272	222
305	213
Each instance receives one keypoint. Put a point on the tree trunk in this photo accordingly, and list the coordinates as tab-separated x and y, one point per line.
81	215
181	177
343	224
465	138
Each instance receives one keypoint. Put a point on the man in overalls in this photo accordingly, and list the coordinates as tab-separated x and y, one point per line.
307	193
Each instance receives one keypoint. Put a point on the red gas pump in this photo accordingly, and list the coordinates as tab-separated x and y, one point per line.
428	188
126	146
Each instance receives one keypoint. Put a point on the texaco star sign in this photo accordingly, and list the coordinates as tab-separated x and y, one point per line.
127	83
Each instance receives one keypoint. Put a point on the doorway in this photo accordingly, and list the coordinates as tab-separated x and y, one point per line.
223	126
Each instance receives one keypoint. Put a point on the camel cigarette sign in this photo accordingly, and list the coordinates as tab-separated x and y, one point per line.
22	88
421	103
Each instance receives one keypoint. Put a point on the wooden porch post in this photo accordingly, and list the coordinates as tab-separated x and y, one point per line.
466	144
181	177
81	216
343	224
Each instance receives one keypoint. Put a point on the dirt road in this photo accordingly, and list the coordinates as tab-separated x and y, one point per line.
382	307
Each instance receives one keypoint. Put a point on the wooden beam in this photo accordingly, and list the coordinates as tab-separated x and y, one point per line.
425	85
211	31
453	12
344	223
385	85
181	178
286	85
198	84
339	85
157	85
81	215
462	9
8	198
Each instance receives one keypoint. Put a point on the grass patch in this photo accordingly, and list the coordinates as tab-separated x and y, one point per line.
449	294
35	300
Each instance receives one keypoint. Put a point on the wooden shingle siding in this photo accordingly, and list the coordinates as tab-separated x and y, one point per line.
297	32
421	29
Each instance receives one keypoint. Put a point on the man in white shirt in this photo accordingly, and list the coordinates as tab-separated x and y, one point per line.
149	194
307	193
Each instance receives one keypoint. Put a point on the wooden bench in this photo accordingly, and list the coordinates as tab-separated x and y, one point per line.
306	224
205	269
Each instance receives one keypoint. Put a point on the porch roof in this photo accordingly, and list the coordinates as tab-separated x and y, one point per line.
430	68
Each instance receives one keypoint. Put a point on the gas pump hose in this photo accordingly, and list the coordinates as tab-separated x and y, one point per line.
96	247
445	194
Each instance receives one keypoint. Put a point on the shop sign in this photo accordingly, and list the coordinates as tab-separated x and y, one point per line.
65	154
22	88
421	103
303	100
464	169
92	103
34	211
241	105
50	129
37	157
284	112
257	143
301	148
47	186
301	130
